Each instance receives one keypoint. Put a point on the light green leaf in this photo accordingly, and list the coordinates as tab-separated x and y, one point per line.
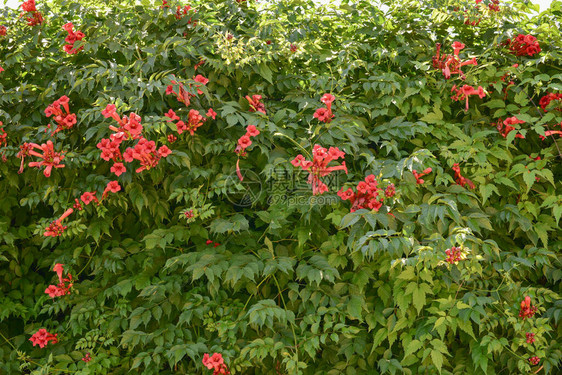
412	347
407	274
437	359
529	178
418	299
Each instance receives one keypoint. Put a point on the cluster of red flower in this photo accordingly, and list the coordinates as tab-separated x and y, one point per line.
71	38
245	141
505	127
189	214
182	12
42	338
493	5
63	120
89	197
56	228
318	167
51	158
255	104
367	195
201	81
390	190
3	30
33	17
63	286
465	91
451	64
183	95
545	101
454	255
145	152
195	119
215	363
527	311
419	176
3	136
523	45
530	337
110	148
87	358
212	114
129	128
534	360
210	242
325	114
471	19
462	181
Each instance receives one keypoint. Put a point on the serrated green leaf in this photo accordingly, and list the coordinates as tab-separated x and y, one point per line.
437	359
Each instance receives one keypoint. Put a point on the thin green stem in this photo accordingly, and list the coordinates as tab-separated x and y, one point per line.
292	140
8	341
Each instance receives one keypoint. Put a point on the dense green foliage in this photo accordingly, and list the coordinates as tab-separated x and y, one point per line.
297	285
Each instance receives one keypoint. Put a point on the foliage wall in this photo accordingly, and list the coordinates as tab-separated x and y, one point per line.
423	267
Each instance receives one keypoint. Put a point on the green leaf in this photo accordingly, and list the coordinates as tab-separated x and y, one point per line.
434	117
265	72
407	274
466	326
495	103
411	91
521	98
439	322
546	173
236	223
486	190
529	178
349	220
437	359
418	299
379	338
557	213
354	307
412	347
